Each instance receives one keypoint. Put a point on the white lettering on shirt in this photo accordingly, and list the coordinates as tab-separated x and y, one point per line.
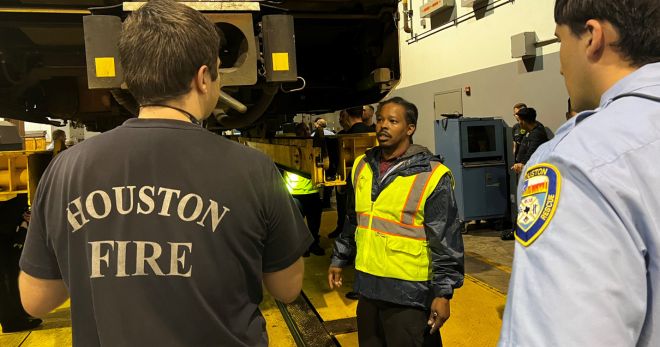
121	201
165	211
91	208
72	216
141	259
199	205
110	261
96	257
175	260
119	197
148	200
215	218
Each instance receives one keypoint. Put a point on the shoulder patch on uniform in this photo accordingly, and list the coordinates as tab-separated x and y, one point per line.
538	201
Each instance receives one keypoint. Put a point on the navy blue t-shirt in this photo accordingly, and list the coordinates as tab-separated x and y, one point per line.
161	231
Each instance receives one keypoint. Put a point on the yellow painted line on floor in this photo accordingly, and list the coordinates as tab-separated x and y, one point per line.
485	285
347	340
278	332
13	339
476	315
490	262
55	330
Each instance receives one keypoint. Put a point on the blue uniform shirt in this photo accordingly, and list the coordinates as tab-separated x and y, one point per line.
586	267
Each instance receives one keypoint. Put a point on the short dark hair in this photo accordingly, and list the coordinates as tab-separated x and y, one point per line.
409	107
519	105
302	130
528	114
162	46
59	134
636	21
354	112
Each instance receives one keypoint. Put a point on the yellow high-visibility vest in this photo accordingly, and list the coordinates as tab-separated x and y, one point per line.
390	236
299	185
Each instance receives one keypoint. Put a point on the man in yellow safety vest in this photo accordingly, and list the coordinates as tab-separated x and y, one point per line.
403	223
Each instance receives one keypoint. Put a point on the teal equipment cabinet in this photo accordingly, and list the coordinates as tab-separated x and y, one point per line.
476	150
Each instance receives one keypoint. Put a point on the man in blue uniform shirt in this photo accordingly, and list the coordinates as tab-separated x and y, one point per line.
587	262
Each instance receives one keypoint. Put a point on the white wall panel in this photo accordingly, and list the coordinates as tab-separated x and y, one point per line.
474	44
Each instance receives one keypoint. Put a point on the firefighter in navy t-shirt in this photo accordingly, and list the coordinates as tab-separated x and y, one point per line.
161	232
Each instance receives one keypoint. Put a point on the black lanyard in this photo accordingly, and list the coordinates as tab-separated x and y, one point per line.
186	113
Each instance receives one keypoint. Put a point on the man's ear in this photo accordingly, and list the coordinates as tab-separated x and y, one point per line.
201	82
594	39
411	129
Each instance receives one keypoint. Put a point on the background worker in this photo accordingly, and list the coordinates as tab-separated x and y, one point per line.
355	124
535	135
321	123
404	229
368	117
355	121
307	198
351	121
13	220
516	130
59	142
340	191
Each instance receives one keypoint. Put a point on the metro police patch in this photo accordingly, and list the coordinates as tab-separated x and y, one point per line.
538	202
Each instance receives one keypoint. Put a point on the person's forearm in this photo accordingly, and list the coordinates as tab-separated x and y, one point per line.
285	285
40	296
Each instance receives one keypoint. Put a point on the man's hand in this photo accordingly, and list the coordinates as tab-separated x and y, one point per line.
439	314
517	167
334	277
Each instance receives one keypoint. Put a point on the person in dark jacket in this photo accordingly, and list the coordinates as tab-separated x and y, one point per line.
13	228
368	117
351	119
517	131
404	231
535	136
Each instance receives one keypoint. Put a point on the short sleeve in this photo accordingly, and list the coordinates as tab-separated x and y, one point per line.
585	272
38	256
287	235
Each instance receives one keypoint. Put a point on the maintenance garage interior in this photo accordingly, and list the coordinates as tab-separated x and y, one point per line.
473	58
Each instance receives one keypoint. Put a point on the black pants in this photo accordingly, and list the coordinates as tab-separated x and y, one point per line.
327	194
11	310
382	323
311	209
341	207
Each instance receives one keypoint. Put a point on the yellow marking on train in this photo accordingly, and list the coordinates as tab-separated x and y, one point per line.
43	10
281	61
105	67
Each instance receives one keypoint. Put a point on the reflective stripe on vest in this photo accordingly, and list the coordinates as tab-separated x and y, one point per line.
298	185
390	234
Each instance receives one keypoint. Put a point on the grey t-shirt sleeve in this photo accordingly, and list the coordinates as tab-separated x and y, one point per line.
38	256
287	235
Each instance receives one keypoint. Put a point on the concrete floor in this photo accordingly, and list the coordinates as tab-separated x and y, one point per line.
476	309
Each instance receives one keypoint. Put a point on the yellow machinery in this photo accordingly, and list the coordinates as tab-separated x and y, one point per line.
299	155
34	141
20	172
